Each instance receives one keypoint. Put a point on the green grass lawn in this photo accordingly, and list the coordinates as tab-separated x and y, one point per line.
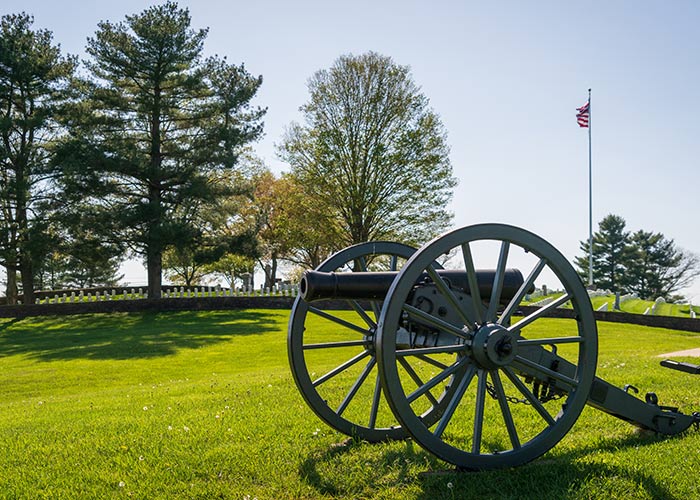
203	405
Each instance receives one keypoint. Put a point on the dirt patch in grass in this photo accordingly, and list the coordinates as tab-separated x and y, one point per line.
688	352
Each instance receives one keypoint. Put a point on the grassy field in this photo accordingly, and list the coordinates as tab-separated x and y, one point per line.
202	405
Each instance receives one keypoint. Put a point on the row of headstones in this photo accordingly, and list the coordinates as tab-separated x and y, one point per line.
90	297
217	291
131	294
619	300
652	310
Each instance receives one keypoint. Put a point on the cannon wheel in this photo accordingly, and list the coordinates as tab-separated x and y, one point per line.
352	348
475	431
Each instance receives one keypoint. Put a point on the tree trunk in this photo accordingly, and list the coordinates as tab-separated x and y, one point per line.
270	271
154	265
154	252
27	272
11	287
273	272
26	264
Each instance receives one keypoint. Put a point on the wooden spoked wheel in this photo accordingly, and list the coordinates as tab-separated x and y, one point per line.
332	352
514	382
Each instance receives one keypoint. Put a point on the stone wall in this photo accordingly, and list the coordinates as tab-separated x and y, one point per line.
223	303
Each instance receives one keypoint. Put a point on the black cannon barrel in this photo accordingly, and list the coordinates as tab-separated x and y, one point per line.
317	285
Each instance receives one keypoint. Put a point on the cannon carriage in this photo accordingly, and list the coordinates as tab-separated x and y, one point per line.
438	344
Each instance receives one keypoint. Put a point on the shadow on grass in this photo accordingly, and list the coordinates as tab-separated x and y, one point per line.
326	471
564	476
128	335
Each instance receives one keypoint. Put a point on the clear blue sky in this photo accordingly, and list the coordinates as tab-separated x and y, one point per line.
506	78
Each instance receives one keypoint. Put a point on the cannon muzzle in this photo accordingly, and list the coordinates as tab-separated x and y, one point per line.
316	285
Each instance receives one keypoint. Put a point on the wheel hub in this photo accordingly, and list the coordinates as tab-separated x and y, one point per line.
493	346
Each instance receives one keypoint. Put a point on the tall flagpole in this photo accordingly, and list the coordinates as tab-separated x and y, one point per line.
590	198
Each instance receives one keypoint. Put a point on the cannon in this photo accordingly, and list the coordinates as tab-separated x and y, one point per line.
446	345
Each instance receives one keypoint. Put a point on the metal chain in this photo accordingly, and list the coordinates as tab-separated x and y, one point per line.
511	399
545	394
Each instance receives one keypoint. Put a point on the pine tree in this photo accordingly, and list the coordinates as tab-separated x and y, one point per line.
34	86
612	252
158	123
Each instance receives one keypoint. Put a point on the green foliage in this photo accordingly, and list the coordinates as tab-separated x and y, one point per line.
644	263
658	268
291	224
371	152
202	405
79	256
34	87
157	127
233	269
611	252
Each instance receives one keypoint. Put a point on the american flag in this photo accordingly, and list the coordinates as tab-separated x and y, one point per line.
582	115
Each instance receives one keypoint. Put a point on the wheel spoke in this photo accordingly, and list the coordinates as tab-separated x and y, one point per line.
545	373
497	287
331	345
451	298
454	402
356	386
550	341
363	314
339	321
536	404
539	313
340	368
376	309
432	361
505	410
363	263
520	294
444	349
434	321
473	282
433	382
479	412
412	373
394	263
374	410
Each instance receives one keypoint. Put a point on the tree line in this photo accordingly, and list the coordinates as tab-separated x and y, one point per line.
145	149
643	262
